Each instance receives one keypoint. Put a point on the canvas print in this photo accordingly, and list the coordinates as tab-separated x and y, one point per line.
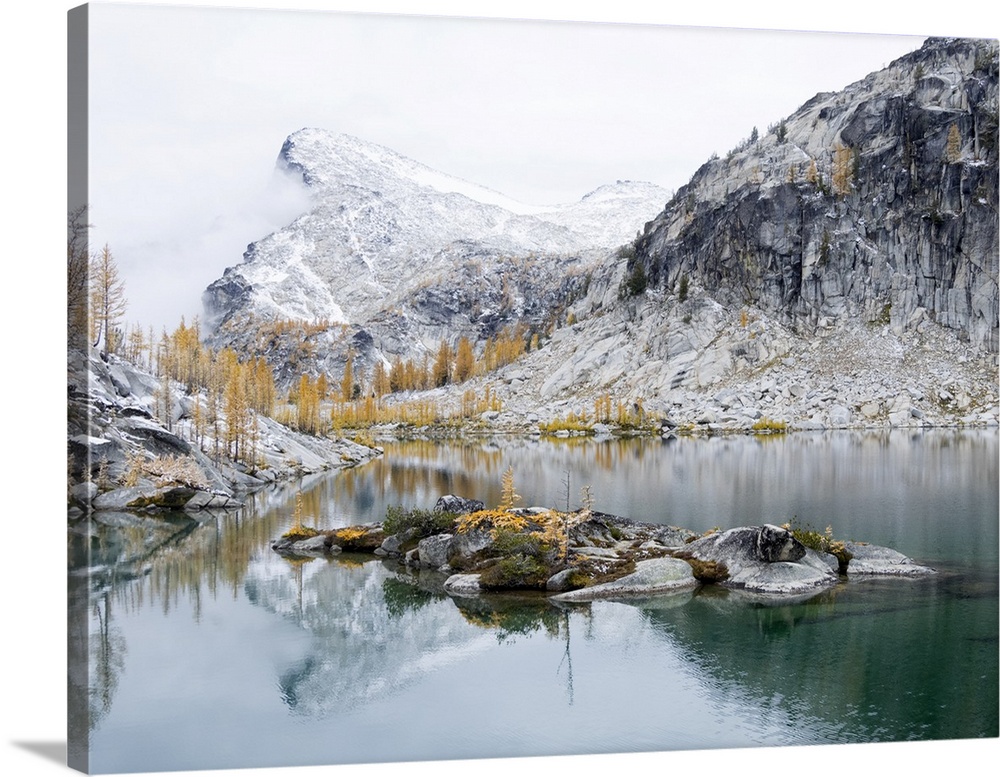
450	388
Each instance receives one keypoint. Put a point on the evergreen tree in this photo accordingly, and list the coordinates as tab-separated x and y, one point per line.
381	384
237	413
812	174
508	495
397	375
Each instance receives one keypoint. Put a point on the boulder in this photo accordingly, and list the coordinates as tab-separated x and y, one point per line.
84	492
672	536
209	500
651	577
560	581
765	559
144	497
462	585
119	380
466	545
450	503
839	417
393	544
318	544
434	551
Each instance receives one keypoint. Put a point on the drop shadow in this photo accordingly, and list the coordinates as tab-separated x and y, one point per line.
51	751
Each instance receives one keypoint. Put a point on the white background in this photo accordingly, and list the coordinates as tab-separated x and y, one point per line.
34	143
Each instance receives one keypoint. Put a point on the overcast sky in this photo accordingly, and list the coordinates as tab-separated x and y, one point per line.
189	108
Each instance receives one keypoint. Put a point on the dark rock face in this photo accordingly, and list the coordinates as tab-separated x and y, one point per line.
776	544
877	203
227	293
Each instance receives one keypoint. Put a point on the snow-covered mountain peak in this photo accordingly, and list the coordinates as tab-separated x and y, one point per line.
327	160
412	254
624	190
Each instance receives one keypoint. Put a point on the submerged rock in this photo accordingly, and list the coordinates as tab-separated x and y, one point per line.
875	560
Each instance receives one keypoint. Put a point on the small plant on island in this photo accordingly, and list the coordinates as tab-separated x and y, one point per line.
417	522
357	539
298	531
823	542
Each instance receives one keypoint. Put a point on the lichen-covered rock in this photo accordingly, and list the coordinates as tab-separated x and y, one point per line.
394	544
562	580
366	538
651	577
774	543
435	551
145	497
467	546
450	503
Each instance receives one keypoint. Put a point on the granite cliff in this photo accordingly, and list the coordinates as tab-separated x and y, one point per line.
876	202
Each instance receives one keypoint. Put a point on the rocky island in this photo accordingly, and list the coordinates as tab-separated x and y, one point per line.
586	555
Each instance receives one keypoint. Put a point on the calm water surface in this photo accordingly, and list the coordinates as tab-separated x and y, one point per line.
208	650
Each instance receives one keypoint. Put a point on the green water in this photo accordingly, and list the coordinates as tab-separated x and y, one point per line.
207	650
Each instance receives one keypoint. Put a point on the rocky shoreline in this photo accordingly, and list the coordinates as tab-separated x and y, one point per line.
126	451
587	555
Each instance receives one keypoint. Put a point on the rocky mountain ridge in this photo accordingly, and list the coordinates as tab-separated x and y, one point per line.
399	255
836	271
766	293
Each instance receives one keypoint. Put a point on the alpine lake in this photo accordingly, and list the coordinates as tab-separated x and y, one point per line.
206	649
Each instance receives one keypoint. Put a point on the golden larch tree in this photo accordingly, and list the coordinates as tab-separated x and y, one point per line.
347	380
465	360
107	298
953	147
